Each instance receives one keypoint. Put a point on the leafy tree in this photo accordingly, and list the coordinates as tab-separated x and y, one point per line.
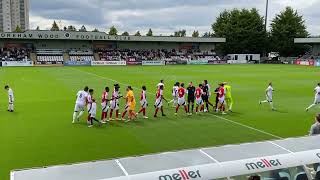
38	28
71	28
180	33
243	29
18	30
284	28
208	34
137	33
150	33
113	31
95	30
125	33
195	34
55	27
83	29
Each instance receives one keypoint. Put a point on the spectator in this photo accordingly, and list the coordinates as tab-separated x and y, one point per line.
315	128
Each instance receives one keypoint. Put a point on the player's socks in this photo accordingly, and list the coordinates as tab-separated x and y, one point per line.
189	108
177	109
144	111
271	105
123	114
117	114
192	108
186	109
74	117
110	115
156	112
311	106
261	102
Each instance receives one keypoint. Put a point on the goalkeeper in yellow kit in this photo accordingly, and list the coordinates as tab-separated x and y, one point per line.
228	97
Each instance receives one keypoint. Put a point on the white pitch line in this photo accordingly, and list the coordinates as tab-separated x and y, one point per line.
122	168
219	117
249	127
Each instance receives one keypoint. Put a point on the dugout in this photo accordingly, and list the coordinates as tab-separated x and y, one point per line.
313	42
285	159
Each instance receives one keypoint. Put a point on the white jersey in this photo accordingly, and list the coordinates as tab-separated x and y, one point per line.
175	91
10	95
81	97
317	92
269	91
160	84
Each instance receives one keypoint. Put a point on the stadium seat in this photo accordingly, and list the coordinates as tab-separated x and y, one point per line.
301	176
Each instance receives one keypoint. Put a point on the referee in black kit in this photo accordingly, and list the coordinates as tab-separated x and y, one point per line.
191	90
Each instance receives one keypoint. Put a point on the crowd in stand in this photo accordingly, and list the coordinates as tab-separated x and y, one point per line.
159	54
14	54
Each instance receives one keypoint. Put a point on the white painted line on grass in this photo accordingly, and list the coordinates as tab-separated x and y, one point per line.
122	168
219	117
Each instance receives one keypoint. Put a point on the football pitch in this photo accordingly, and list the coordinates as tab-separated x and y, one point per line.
40	133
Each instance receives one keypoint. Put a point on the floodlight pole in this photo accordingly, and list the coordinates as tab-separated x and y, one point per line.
266	17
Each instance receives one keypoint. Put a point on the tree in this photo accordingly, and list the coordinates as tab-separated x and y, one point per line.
55	26
125	33
65	28
243	29
95	30
208	35
137	33
71	28
113	31
284	28
83	29
180	33
38	28
150	33
18	30
195	34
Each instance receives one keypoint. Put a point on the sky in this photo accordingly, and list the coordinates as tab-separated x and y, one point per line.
162	16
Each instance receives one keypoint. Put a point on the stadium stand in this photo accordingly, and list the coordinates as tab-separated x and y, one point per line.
49	56
81	55
159	54
14	54
285	159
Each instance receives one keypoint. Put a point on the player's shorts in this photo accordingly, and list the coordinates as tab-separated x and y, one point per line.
77	107
132	106
105	107
221	100
115	105
158	103
144	103
199	101
181	101
269	98
205	98
317	100
89	107
191	99
93	115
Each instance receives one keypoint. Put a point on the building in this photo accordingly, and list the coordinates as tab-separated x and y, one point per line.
14	13
313	42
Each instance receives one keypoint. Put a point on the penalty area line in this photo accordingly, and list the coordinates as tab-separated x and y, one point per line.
219	117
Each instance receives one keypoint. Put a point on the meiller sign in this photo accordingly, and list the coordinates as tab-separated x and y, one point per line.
181	175
263	163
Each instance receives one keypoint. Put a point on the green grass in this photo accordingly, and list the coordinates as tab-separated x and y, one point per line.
40	132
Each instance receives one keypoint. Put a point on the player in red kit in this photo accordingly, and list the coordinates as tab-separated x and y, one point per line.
105	104
159	104
199	100
181	99
221	97
143	102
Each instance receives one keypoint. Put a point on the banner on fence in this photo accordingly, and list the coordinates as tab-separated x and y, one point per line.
108	63
197	62
134	63
16	63
153	63
217	62
77	63
305	62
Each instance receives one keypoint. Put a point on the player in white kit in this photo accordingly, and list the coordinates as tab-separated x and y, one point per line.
105	104
175	94
143	102
10	98
89	103
80	103
316	97
93	113
269	93
115	102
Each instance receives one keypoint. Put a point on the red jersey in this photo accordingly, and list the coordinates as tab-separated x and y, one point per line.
104	97
159	94
143	95
199	93
221	92
181	92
